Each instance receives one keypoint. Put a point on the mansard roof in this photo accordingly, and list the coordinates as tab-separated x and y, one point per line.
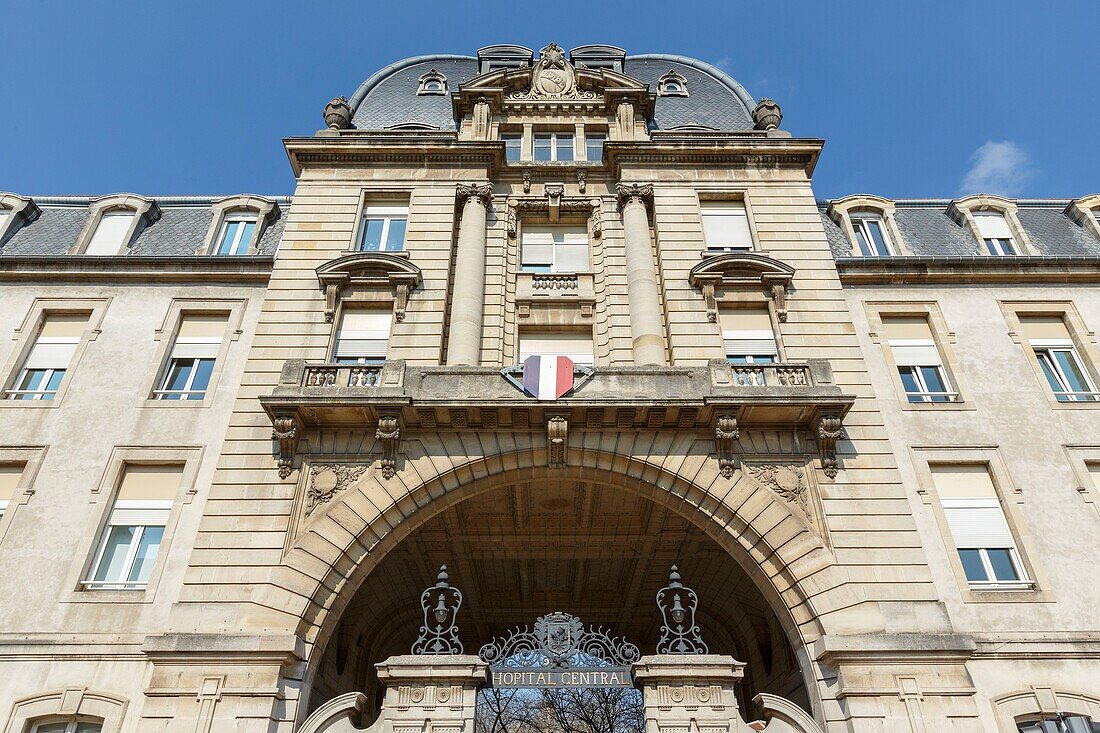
180	230
715	100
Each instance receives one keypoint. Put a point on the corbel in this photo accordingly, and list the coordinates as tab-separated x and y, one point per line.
388	434
779	295
332	296
400	301
286	431
557	434
829	431
726	434
597	217
512	218
709	300
582	179
554	192
527	180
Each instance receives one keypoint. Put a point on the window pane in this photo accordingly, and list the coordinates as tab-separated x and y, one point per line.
972	565
246	237
933	381
395	237
31	379
565	147
179	371
861	240
114	553
595	146
55	383
372	235
874	226
202	379
229	235
146	554
910	384
1048	371
52	728
512	146
88	728
542	147
1003	567
1075	377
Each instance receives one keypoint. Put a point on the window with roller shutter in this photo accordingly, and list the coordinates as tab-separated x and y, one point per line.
554	249
576	345
726	226
363	336
46	364
187	373
1058	357
918	360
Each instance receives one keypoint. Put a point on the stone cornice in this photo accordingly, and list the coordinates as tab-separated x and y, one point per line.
392	148
724	151
185	268
893	648
967	270
203	649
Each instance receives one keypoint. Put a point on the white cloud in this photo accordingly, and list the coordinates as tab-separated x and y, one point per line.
996	167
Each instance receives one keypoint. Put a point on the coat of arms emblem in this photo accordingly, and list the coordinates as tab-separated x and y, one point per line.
553	75
558	634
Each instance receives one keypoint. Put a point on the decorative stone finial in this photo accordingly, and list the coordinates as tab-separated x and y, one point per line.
767	115
338	114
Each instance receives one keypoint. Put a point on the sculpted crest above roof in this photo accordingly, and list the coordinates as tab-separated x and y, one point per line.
553	78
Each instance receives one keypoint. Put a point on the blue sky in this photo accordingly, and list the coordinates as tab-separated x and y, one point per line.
912	99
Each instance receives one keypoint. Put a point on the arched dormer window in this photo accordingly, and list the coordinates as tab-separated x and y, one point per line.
869	224
15	213
432	83
368	276
114	222
993	222
742	271
672	84
236	225
1085	211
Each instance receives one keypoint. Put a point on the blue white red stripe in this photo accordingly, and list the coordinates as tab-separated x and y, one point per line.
547	377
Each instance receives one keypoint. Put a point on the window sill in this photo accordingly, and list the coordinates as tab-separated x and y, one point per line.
1006	593
959	404
105	595
37	404
179	404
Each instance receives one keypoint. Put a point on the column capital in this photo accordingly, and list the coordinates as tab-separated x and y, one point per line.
483	192
627	192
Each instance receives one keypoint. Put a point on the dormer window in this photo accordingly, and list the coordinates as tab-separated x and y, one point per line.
554	146
432	83
995	233
238	229
110	235
870	231
672	84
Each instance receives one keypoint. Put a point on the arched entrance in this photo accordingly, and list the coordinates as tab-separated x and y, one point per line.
593	543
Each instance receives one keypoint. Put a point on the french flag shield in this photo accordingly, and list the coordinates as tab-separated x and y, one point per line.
547	377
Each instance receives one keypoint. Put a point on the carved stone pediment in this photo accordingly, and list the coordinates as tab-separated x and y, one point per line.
368	269
742	269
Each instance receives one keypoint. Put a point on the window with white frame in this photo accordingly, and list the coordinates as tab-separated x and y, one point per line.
748	338
10	475
593	145
554	146
726	226
4	214
70	726
554	249
383	228
1058	357
110	234
513	145
186	374
238	228
1058	723
363	336
44	368
131	539
871	237
995	233
978	526
918	359
577	345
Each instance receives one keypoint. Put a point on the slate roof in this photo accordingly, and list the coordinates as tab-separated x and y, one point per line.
929	232
388	98
180	230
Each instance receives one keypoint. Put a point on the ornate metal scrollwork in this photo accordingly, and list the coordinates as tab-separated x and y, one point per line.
440	604
554	641
679	632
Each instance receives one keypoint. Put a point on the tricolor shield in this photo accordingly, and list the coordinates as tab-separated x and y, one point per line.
547	377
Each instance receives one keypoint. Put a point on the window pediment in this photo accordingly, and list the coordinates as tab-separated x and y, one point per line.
1085	211
145	212
18	212
963	211
742	270
368	270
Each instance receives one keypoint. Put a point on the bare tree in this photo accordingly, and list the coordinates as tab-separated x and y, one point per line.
598	710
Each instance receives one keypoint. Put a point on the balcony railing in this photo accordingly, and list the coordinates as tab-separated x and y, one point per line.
764	375
342	375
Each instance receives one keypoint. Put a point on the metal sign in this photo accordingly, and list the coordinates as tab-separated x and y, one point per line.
558	652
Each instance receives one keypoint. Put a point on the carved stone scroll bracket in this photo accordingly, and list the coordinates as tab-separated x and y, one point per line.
725	436
557	434
779	295
388	434
742	270
596	217
286	431
627	192
400	301
372	271
527	180
711	303
554	194
332	298
829	431
582	179
512	219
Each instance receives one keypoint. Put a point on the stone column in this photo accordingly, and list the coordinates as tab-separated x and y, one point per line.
641	276
468	292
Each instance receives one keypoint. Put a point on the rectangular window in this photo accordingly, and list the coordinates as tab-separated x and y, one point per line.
554	249
10	474
995	233
383	228
1058	358
556	146
186	376
577	345
748	337
363	336
236	235
49	357
593	144
918	360
131	540
73	726
726	226
982	537
513	145
110	234
871	235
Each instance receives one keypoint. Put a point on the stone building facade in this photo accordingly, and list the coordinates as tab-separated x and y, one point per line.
242	434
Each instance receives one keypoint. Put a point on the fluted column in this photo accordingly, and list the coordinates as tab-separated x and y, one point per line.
468	293
641	276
